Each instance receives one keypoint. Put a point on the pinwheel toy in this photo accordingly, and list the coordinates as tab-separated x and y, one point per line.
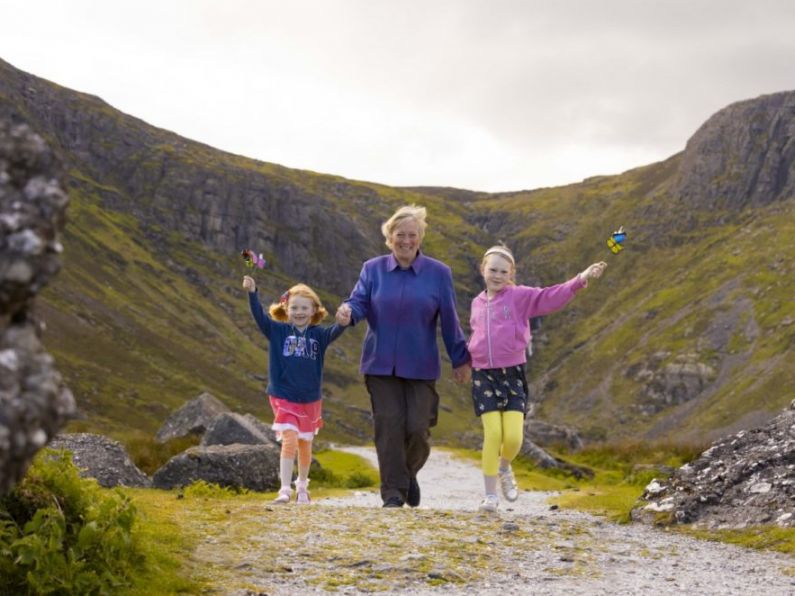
616	240
253	260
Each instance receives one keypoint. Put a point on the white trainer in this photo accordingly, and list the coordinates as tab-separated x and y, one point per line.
285	493
302	494
508	485
490	503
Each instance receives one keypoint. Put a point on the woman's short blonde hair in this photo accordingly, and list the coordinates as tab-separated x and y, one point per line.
278	311
414	212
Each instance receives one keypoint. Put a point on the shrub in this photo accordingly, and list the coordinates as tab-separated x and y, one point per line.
359	480
63	534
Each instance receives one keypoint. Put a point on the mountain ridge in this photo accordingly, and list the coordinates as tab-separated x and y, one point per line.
168	217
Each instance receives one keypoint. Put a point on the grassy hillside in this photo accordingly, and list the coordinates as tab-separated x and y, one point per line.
142	319
716	291
148	311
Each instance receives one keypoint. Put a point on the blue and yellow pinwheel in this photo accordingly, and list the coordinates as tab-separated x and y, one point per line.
616	240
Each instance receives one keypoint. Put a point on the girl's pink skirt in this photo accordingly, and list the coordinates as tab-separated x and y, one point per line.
305	419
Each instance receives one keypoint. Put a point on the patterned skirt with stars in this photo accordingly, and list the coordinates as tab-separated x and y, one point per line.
499	389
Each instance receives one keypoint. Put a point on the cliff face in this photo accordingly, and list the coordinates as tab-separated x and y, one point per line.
226	202
743	156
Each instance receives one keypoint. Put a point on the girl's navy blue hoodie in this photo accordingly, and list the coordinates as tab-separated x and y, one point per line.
296	357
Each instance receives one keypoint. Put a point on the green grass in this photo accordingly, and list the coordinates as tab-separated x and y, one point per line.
167	527
621	472
762	537
167	538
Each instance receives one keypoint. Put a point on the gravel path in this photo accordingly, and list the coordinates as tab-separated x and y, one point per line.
582	554
351	545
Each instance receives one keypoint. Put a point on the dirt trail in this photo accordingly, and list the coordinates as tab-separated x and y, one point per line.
352	545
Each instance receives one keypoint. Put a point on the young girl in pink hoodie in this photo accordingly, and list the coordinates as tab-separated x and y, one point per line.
500	324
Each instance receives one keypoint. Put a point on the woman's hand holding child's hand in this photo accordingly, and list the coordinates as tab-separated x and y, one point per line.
249	284
343	315
593	271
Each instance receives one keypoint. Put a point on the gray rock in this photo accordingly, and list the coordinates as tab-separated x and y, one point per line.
546	460
255	467
192	418
101	458
546	434
229	428
34	402
741	480
670	384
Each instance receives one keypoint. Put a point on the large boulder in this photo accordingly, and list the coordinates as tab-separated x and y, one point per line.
102	458
192	418
742	480
229	428
34	402
255	467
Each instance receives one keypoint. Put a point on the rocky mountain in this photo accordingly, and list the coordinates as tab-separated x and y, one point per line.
687	337
742	156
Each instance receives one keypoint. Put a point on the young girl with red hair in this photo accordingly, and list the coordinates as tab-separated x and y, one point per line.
297	347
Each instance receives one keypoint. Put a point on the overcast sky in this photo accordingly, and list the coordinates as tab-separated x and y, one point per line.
487	95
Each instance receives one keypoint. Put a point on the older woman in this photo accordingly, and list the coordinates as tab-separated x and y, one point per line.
402	296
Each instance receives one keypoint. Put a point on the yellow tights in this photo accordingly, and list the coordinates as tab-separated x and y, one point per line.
503	433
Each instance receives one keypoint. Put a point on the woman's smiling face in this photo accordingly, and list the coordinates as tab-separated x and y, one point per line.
405	241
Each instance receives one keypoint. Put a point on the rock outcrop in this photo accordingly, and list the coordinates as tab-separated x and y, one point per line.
34	402
102	458
255	467
742	156
192	418
669	384
546	461
745	479
545	434
229	428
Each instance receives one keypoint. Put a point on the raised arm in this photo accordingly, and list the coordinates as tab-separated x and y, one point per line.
262	319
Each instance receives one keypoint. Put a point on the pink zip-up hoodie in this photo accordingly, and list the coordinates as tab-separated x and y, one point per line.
501	326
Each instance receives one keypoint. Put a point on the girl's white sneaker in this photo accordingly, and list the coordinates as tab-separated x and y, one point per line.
285	493
508	485
302	494
490	503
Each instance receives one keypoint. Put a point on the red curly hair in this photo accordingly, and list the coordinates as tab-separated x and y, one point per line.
278	310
